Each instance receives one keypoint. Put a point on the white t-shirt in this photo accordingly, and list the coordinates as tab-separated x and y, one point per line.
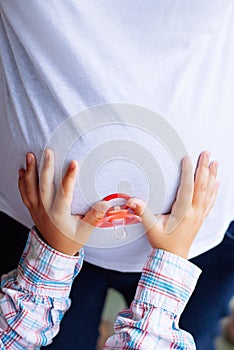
175	58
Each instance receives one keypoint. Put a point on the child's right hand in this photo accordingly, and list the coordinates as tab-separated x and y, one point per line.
50	211
175	232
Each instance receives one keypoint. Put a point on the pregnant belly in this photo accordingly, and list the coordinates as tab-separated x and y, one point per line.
133	151
138	155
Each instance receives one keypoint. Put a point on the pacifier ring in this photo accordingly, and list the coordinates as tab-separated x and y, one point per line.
118	216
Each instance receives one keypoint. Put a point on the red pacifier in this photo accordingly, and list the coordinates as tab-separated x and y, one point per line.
119	215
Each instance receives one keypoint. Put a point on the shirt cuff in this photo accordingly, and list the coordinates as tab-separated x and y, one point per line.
167	281
45	271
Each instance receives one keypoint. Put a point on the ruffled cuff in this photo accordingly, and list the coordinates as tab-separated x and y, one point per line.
44	271
167	281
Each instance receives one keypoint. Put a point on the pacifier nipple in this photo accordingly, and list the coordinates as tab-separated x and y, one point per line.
118	216
118	223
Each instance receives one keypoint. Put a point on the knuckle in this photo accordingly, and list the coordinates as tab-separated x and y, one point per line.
97	215
202	186
187	188
43	188
69	176
28	191
68	193
46	163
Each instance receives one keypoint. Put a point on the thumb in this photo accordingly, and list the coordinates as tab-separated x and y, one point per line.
86	225
96	213
140	208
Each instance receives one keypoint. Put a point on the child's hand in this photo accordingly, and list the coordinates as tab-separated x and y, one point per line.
50	211
175	232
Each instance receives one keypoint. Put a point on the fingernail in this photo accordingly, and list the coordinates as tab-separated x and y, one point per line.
187	160
215	166
133	206
29	158
72	165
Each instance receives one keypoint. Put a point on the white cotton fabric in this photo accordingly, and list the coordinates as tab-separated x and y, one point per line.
174	57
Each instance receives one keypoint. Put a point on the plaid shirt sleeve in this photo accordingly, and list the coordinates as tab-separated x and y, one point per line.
34	297
151	323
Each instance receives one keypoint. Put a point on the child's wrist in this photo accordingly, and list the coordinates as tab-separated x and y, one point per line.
182	252
66	246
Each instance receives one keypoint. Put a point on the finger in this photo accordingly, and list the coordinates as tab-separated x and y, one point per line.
184	195
69	181
140	208
212	199
46	183
64	195
96	213
31	180
213	168
201	179
22	189
86	225
212	188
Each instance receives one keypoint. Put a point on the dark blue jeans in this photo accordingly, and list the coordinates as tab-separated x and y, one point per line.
209	302
79	328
